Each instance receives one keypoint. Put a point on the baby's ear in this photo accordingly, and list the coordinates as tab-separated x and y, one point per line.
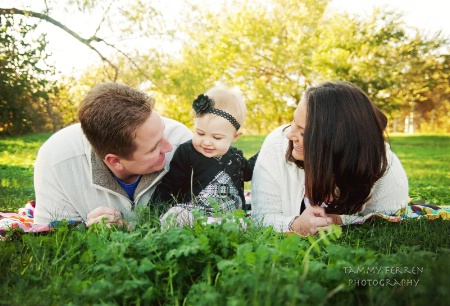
237	135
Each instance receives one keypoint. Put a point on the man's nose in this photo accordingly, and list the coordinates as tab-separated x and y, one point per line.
167	147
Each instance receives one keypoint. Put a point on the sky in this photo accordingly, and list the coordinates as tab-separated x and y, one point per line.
72	57
427	15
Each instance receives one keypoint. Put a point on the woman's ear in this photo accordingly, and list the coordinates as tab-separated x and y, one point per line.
236	136
113	161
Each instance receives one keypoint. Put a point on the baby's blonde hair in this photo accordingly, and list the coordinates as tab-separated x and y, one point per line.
229	101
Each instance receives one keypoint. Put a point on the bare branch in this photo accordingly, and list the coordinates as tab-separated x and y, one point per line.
103	18
87	42
135	65
46	7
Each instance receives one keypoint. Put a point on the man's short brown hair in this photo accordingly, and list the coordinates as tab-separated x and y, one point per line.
110	114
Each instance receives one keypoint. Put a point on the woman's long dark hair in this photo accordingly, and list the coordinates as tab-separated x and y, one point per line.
344	146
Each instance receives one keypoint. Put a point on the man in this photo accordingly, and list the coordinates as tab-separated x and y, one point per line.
102	168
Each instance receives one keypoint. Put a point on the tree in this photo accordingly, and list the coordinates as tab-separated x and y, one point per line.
53	104
272	52
24	86
398	70
118	20
428	89
265	50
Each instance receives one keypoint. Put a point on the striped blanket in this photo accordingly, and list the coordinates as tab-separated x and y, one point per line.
414	211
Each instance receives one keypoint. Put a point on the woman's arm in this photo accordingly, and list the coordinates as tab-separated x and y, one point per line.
278	190
389	194
267	184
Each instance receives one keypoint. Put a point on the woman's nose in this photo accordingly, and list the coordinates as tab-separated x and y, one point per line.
291	136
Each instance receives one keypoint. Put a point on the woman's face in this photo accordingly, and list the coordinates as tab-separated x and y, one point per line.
297	129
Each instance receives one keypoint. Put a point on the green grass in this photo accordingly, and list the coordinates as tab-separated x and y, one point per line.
249	144
17	156
426	160
424	157
225	264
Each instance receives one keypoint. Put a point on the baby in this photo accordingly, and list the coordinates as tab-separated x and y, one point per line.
207	168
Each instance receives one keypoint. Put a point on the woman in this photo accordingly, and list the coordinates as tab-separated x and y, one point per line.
329	166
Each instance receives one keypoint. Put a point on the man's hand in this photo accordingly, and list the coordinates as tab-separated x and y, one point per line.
109	215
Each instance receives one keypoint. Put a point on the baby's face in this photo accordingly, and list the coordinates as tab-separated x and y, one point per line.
213	135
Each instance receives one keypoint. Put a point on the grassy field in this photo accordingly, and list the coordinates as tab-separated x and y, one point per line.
376	263
17	155
425	159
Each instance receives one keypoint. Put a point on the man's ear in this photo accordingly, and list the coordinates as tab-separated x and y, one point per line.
236	136
113	161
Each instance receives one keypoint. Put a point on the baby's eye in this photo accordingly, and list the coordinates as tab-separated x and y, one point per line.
217	138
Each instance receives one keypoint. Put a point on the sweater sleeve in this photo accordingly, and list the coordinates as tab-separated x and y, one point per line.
267	191
177	134
171	189
249	167
389	194
52	202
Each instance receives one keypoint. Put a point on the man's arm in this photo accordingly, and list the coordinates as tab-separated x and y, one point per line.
51	201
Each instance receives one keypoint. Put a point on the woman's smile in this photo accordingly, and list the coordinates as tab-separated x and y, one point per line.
298	148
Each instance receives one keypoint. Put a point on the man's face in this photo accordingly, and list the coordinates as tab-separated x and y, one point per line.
151	148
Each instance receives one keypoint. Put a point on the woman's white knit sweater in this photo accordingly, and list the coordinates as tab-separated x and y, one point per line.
278	186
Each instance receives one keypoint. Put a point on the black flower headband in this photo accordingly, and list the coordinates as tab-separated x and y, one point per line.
204	104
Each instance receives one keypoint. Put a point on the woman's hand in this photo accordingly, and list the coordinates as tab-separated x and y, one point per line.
336	219
109	215
312	220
